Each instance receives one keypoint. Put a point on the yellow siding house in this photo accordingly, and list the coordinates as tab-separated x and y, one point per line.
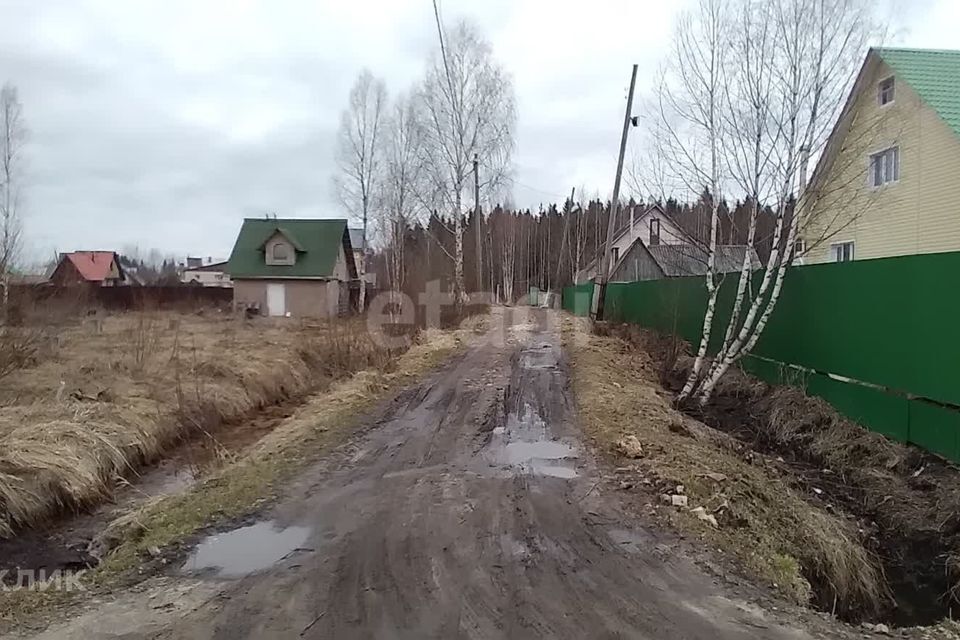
888	181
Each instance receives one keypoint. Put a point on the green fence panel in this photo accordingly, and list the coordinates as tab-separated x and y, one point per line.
888	322
873	408
576	299
935	428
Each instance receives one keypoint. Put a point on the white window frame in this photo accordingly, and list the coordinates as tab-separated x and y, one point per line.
836	248
659	229
871	167
616	255
799	250
893	91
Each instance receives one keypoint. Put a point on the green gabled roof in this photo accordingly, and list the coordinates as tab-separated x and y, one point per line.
935	76
317	242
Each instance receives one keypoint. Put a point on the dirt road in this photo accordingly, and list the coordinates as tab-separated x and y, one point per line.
472	510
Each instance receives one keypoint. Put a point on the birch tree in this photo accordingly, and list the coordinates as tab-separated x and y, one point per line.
358	152
402	170
13	135
790	68
468	109
690	127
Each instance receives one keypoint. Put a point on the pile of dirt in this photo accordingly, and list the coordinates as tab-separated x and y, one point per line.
905	501
118	392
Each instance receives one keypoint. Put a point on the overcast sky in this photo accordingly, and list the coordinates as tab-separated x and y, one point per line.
162	123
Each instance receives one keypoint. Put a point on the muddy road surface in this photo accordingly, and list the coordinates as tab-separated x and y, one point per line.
473	509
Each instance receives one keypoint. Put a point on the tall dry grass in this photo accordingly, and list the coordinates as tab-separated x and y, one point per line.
122	389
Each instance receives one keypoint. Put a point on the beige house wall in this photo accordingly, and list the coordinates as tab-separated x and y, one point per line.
669	233
919	213
303	298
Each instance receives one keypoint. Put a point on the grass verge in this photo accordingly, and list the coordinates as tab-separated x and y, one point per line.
763	522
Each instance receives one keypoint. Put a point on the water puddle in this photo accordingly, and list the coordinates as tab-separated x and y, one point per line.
520	451
524	444
240	552
553	470
538	360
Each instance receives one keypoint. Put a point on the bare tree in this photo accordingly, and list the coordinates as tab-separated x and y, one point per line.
690	127
790	66
12	139
358	152
402	171
468	110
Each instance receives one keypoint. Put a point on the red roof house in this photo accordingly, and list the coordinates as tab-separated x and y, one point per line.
95	268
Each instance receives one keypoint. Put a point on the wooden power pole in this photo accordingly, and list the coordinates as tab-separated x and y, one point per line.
605	266
478	220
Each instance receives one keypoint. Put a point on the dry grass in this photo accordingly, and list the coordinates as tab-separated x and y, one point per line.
322	422
118	391
774	532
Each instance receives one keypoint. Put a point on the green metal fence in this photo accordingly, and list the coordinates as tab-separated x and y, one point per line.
576	299
889	323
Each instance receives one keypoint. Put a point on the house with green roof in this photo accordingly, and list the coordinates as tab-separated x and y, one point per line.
887	181
293	267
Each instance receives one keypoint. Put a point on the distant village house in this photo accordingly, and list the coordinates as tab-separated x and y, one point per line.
293	267
89	268
205	273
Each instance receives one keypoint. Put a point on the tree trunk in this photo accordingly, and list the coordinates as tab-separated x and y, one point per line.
459	290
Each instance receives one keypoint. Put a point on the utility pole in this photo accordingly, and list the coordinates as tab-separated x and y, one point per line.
605	266
476	215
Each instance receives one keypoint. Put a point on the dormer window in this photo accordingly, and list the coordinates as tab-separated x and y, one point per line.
885	91
279	251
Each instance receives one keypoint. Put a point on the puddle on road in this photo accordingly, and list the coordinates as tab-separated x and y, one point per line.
538	360
524	444
553	470
521	451
237	553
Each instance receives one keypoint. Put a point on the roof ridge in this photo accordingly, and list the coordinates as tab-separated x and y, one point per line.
296	219
917	50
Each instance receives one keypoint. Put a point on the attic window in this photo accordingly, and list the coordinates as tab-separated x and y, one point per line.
281	252
654	231
885	91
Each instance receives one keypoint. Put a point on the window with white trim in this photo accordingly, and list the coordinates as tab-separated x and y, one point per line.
885	91
842	251
799	248
616	254
281	252
885	167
